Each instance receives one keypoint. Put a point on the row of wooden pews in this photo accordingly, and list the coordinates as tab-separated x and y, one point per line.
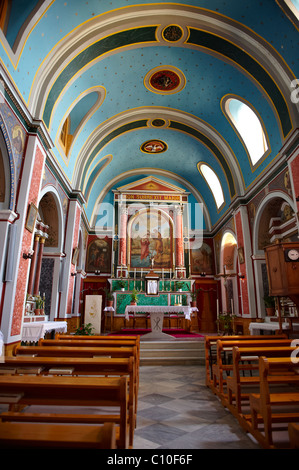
257	379
78	372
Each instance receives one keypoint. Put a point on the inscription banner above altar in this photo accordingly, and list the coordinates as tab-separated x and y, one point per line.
153	197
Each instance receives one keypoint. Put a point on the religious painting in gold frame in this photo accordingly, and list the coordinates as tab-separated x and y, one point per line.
151	240
31	217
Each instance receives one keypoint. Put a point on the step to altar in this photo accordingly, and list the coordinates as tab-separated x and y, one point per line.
172	353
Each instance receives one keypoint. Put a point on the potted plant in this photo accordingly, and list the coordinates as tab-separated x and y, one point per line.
39	305
109	297
194	298
270	305
226	319
179	286
134	297
122	284
85	330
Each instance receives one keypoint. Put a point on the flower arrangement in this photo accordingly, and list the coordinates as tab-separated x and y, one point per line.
85	329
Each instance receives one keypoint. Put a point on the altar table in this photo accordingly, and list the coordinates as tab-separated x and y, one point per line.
33	331
156	313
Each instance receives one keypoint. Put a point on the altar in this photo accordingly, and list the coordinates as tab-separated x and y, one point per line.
156	316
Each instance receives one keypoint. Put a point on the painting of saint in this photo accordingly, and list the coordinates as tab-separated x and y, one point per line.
202	260
150	242
98	256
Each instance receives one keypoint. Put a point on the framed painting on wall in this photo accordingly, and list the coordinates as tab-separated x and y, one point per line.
98	256
31	217
202	260
151	240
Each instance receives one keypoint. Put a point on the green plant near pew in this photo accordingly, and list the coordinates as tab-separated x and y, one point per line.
85	329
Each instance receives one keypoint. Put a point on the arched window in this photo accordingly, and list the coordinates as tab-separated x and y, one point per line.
249	128
65	137
213	182
293	6
4	15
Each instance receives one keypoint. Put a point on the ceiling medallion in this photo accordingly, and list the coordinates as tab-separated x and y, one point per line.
172	33
164	80
153	146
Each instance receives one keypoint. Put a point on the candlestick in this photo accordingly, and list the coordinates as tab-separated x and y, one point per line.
217	309
232	304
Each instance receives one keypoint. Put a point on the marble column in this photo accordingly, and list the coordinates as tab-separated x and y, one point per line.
123	239
179	242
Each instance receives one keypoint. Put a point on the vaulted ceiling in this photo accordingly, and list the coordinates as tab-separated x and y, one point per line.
128	72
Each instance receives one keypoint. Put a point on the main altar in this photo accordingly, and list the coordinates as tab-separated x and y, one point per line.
150	254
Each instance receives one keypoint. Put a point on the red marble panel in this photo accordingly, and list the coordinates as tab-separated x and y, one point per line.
21	287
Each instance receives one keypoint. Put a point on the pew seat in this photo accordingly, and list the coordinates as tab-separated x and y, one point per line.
106	394
270	407
53	436
211	349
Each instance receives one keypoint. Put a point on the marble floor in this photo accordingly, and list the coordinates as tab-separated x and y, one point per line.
177	411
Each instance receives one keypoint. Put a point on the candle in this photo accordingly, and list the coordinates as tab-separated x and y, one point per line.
232	304
163	273
135	273
217	309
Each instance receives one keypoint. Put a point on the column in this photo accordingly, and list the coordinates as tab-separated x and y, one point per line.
33	264
123	239
38	265
179	243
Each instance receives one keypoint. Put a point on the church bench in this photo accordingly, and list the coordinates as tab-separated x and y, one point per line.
269	407
293	429
211	346
112	338
103	393
235	383
94	343
74	351
223	365
84	351
78	366
53	436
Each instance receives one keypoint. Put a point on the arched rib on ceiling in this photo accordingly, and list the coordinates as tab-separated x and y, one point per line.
213	32
177	121
153	171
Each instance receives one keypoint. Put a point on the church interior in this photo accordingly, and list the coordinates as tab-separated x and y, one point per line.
149	180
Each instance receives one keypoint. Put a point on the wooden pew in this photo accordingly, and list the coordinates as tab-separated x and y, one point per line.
78	366
128	338
221	368
76	351
53	436
235	383
211	346
272	407
92	343
80	392
293	429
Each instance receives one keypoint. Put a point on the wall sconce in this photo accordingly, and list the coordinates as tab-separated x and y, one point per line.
97	272
74	274
28	255
203	274
241	276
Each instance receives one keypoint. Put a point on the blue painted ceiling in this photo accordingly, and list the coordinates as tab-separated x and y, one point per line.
90	60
